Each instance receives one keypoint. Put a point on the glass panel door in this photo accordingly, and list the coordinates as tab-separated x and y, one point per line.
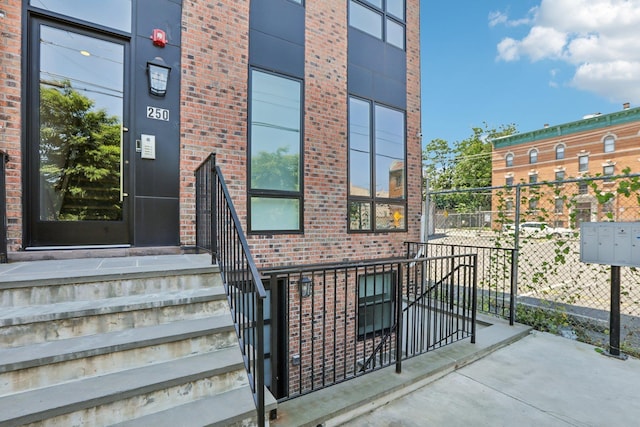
77	141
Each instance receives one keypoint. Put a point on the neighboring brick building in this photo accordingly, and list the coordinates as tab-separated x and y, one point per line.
233	65
596	146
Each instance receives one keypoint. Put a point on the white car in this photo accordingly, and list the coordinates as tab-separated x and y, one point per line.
542	229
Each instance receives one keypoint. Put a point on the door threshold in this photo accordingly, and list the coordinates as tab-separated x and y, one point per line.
73	248
36	253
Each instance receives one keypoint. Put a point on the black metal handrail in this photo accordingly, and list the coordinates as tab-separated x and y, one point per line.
497	279
221	232
337	316
419	300
4	158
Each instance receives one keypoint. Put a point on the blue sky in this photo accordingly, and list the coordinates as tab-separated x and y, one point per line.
525	62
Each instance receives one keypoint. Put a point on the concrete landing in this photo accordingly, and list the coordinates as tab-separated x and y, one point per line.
343	402
540	380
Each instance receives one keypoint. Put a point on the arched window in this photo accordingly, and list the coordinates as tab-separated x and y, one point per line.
559	151
609	144
533	156
508	160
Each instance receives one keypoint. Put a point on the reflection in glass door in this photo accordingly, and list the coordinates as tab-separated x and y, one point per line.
77	143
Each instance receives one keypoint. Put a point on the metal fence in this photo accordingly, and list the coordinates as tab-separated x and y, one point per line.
541	222
495	278
344	320
204	194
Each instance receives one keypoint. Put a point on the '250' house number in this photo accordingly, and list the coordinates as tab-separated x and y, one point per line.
156	113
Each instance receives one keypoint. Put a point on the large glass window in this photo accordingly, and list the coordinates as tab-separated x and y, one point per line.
375	303
114	13
377	171
383	20
275	201
365	19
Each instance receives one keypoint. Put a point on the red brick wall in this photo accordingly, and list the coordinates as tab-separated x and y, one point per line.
626	154
214	119
221	49
10	124
215	50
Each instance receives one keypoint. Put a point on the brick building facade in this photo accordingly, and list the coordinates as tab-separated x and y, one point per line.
597	146
312	109
217	53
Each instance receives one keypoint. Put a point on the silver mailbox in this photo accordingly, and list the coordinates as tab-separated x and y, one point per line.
610	243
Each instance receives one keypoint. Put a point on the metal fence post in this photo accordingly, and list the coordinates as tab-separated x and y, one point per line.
514	259
4	158
214	212
400	327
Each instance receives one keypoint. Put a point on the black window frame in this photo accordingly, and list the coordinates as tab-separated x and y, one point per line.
373	200
385	16
275	194
369	301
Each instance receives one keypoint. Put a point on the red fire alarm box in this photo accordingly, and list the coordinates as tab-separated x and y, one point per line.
159	38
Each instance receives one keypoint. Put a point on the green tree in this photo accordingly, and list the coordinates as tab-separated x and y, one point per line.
79	157
464	165
275	170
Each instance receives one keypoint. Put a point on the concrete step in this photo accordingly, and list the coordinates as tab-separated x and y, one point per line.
35	324
26	291
232	408
45	364
129	394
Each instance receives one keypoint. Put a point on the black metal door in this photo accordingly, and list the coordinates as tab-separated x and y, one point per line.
77	164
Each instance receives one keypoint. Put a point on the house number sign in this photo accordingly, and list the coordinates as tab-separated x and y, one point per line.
156	113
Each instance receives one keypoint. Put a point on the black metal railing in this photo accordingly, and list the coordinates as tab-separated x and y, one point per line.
4	158
204	203
245	291
496	274
344	320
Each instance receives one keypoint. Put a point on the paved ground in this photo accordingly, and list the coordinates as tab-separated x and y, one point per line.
540	380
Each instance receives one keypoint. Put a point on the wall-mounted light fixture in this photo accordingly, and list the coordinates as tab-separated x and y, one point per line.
158	72
306	287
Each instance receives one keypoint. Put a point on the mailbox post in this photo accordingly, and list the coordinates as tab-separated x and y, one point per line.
616	244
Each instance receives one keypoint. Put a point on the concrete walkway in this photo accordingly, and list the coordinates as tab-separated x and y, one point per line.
540	380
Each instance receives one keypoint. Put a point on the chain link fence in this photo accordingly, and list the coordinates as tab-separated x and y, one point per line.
556	292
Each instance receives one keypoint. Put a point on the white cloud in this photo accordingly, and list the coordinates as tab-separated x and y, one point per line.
599	38
498	17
